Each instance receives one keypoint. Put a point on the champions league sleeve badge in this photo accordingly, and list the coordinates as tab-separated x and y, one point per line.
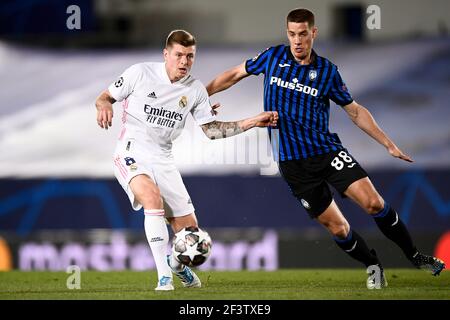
119	82
257	56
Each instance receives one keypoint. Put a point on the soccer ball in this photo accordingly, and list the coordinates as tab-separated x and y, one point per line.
191	246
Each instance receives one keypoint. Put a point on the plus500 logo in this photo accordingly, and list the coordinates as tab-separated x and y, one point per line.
294	85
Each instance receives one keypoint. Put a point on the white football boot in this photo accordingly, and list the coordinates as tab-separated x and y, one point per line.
165	284
188	277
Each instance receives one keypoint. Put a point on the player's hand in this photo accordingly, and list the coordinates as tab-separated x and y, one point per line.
266	119
397	153
214	107
104	116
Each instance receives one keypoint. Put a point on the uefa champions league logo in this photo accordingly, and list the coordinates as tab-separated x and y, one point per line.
119	82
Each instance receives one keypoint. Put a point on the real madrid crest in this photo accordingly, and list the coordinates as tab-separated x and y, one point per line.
312	75
183	102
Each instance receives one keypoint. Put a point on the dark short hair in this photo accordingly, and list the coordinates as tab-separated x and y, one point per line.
181	37
301	15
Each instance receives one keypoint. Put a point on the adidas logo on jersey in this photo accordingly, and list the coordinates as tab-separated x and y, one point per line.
294	85
152	95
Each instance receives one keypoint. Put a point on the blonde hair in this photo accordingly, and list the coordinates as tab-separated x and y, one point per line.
181	37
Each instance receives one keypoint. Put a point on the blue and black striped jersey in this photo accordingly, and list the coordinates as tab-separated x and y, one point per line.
301	94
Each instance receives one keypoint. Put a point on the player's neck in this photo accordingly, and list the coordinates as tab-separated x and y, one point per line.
172	79
305	61
175	79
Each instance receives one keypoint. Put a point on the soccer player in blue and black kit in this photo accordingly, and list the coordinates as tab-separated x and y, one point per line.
299	85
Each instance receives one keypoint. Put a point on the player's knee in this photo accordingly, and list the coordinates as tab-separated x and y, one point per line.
179	223
149	197
153	199
340	230
374	205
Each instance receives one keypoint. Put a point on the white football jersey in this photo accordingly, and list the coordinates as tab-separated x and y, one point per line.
155	109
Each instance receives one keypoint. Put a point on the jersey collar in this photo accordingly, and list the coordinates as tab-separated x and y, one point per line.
314	57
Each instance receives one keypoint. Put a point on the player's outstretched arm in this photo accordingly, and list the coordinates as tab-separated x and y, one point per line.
219	130
104	107
365	121
227	79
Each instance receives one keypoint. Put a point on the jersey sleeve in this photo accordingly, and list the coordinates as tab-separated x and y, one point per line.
125	84
339	92
259	63
202	111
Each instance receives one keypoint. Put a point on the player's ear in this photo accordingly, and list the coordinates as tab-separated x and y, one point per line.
314	32
165	53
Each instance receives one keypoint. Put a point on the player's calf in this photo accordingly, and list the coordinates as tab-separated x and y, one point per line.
390	224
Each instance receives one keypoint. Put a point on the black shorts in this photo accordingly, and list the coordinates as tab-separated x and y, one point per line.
309	178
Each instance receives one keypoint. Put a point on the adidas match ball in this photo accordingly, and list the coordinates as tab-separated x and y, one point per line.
191	246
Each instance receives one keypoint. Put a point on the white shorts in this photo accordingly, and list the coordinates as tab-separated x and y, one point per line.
130	161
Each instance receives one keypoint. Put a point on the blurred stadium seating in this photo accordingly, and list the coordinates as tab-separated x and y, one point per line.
48	121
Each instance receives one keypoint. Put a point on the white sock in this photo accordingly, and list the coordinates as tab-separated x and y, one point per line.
158	238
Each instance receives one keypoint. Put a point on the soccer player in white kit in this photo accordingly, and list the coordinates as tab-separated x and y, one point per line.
157	98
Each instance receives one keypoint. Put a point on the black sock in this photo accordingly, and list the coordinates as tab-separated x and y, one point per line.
356	247
394	229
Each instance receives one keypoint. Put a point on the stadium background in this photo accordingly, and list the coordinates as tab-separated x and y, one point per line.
60	205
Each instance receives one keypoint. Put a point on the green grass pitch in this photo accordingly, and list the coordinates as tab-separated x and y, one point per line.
289	284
